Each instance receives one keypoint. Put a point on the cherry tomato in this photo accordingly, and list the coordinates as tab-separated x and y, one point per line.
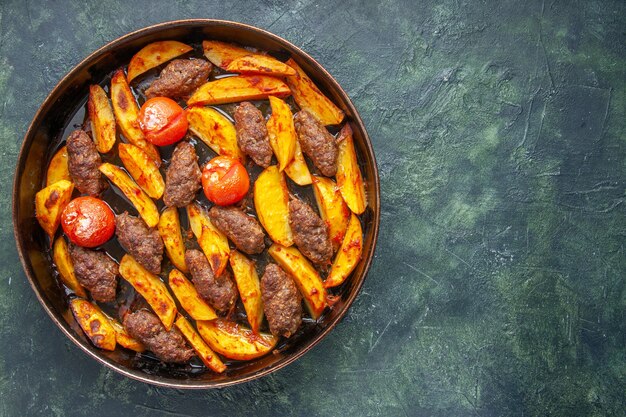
162	121
88	221
225	180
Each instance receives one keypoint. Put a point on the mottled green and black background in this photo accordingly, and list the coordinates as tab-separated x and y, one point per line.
498	285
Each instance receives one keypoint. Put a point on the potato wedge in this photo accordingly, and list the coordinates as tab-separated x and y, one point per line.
239	88
102	119
305	276
143	169
123	338
332	208
282	132
49	204
349	178
63	262
169	229
151	288
94	323
213	243
189	298
309	97
297	169
222	54
271	201
144	204
214	129
153	55
234	58
58	169
235	342
249	288
127	116
348	256
204	352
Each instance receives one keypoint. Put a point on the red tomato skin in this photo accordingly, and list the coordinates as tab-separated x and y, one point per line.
225	181
88	222
163	121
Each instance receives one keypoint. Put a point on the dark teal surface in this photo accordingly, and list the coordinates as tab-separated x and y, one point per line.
498	285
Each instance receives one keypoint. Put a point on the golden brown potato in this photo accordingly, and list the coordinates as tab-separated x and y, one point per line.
234	58
239	88
204	352
213	243
332	208
102	119
297	169
305	276
349	178
348	256
153	55
309	97
235	342
222	54
49	205
143	169
271	201
63	262
151	288
94	323
123	338
144	204
249	288
214	129
282	132
58	169
169	229
188	297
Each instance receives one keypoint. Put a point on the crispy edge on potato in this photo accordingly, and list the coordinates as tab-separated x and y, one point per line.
63	262
271	201
213	243
49	205
349	178
249	288
204	352
94	323
151	288
309	97
282	132
234	341
305	276
222	54
102	119
59	168
123	338
348	256
215	130
143	169
297	169
144	204
169	229
188	297
239	88
153	55
234	58
332	208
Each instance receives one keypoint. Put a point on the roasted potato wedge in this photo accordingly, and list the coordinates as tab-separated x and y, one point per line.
153	55
349	178
239	88
349	254
297	169
189	298
127	116
235	342
249	288
49	204
214	129
309	97
102	119
94	323
332	208
143	169
151	288
123	338
204	352
58	169
282	132
234	58
169	229
144	204
63	262
271	201
222	54
305	276
213	243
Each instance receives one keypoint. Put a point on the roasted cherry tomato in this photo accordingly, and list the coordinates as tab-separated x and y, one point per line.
88	221
225	180
162	121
